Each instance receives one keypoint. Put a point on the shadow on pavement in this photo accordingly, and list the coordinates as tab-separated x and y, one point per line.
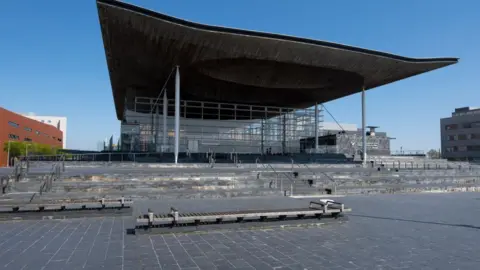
419	221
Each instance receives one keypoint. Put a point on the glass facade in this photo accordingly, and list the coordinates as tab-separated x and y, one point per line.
216	127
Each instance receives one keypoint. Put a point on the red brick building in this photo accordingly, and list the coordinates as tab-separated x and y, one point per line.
15	127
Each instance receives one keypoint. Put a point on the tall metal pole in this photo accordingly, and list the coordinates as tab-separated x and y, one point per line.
165	113
364	135
316	128
284	135
177	113
152	129
261	138
157	127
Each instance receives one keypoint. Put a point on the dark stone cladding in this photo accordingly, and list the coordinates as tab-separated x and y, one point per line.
226	65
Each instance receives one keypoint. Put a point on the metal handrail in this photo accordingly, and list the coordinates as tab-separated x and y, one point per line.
306	166
17	171
57	168
292	181
273	169
323	173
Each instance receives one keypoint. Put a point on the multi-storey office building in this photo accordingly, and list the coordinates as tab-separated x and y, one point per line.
460	134
15	127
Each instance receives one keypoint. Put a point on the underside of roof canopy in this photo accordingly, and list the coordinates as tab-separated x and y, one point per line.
237	66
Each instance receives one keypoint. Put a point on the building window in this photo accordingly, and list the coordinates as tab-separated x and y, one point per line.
471	125
462	137
475	136
462	148
451	127
37	132
13	124
473	148
13	136
27	139
60	140
450	138
28	129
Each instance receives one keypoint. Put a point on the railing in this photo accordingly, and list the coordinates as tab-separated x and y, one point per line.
324	173
419	164
17	171
57	169
289	177
233	156
407	153
315	176
4	184
20	168
211	159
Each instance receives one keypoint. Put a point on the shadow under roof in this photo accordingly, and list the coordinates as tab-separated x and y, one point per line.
220	64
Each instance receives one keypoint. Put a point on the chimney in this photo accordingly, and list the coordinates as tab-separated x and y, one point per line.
371	133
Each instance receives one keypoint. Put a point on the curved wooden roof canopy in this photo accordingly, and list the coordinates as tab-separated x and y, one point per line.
237	66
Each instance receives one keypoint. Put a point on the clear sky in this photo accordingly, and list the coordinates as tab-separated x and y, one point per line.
52	60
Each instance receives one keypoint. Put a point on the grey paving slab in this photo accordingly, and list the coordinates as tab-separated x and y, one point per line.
429	231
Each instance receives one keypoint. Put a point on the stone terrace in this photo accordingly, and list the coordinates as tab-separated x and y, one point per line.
167	181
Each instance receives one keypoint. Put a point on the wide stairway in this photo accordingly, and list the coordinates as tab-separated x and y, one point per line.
168	181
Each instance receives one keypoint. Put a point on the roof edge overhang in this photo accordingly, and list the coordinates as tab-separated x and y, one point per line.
435	62
204	27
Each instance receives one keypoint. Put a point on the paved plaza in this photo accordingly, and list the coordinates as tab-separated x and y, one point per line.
420	231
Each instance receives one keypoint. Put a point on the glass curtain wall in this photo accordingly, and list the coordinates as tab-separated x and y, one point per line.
216	127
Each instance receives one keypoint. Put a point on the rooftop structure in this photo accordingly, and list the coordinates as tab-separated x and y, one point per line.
59	122
349	142
466	111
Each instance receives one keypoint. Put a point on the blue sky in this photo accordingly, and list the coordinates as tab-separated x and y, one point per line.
52	60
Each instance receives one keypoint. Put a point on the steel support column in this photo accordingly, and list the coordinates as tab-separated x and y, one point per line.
316	128
165	113
364	135
177	113
284	135
261	138
151	143
157	127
